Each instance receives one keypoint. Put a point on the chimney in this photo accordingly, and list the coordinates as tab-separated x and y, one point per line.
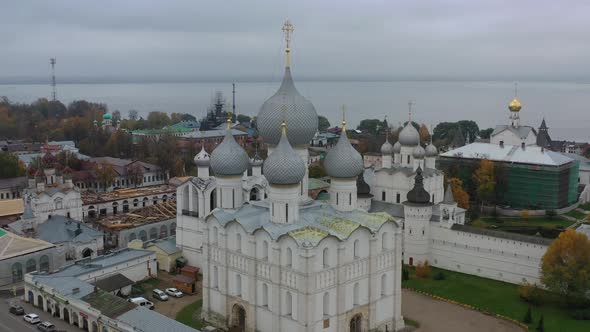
69	183
522	145
502	144
40	186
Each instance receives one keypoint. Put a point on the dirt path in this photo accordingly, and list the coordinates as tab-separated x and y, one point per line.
439	316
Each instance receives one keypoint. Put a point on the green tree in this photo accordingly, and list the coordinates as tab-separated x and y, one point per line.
528	316
10	166
135	174
242	118
565	267
444	132
371	126
323	123
317	171
486	133
541	325
157	120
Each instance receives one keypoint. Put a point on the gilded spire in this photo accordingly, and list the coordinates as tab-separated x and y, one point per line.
514	105
288	30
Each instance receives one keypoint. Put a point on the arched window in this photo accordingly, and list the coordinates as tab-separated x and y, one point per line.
44	263
326	304
264	250
132	237
355	294
397	198
215	277
213	200
58	203
172	229
163	231
238	242
153	233
383	284
184	204
143	235
31	266
325	257
215	235
384	241
289	257
17	272
288	304
135	202
264	295
238	285
356	249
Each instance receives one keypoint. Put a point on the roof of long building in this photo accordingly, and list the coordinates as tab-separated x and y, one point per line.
509	153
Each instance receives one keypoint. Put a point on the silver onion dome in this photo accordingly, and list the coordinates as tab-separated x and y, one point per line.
418	152
202	158
409	136
229	158
397	147
299	112
284	166
386	148
343	160
431	150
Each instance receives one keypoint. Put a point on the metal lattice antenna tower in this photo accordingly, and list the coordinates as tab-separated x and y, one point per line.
53	88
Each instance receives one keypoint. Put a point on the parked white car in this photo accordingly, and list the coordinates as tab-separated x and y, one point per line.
141	301
158	294
32	318
173	292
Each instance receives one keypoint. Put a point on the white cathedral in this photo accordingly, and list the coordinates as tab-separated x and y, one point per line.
275	260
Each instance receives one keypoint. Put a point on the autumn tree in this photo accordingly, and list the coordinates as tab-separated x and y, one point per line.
105	174
460	195
485	181
135	174
565	267
323	123
424	134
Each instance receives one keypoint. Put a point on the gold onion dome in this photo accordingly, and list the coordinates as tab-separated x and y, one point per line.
514	105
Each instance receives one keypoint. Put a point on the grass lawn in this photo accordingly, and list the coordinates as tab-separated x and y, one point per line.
185	316
585	206
495	296
576	214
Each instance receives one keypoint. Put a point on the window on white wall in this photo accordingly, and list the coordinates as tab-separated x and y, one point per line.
264	295
239	242
289	257
215	231
383	284
288	304
355	294
265	250
356	249
384	241
238	285
326	304
325	257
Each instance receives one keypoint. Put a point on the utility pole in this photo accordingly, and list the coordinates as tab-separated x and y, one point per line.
53	92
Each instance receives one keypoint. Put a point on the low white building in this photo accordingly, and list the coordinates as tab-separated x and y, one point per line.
70	294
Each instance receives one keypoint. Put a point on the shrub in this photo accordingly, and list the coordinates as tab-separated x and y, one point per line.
541	326
423	270
405	275
439	276
528	317
582	314
530	293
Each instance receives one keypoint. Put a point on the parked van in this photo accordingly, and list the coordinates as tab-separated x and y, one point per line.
141	301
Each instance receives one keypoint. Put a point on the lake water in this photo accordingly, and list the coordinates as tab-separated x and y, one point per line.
565	106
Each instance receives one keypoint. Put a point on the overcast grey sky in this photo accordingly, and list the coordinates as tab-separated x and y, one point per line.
229	39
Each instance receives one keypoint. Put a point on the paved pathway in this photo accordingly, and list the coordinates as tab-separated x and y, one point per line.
439	316
12	323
